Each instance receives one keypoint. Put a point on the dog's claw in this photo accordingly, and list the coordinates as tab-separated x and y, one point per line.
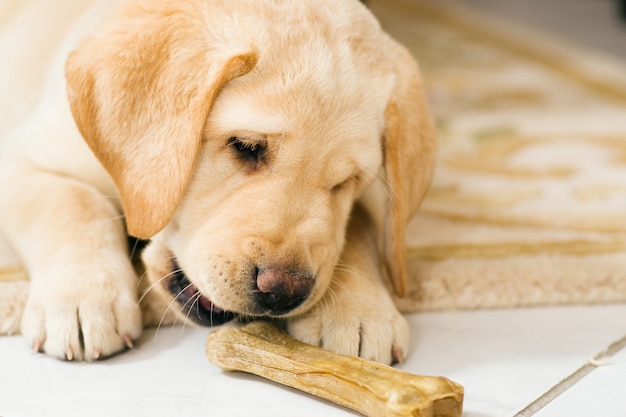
69	355
37	346
397	356
129	341
96	354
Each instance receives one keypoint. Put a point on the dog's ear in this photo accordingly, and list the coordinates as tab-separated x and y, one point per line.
409	157
140	91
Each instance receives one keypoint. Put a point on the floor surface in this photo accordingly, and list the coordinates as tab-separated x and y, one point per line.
504	358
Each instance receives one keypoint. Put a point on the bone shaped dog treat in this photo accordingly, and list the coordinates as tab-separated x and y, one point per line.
368	387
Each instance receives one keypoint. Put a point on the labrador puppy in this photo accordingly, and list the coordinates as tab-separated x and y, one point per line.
271	151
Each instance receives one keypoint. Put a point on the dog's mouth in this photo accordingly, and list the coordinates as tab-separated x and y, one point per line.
193	303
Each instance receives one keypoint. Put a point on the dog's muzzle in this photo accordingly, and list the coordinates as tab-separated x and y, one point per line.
275	292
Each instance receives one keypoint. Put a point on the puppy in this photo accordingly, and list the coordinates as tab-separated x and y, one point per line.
271	151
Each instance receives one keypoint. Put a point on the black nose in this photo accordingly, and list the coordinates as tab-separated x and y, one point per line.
281	290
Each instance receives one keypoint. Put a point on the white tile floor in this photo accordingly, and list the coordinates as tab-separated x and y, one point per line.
601	393
505	359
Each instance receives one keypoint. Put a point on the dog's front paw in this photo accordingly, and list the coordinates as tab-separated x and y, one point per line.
363	323
82	321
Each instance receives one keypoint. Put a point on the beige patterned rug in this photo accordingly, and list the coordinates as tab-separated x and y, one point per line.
528	206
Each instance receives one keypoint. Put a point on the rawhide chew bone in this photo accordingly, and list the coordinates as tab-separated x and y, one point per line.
368	387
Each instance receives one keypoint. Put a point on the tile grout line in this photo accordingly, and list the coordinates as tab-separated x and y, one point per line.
569	381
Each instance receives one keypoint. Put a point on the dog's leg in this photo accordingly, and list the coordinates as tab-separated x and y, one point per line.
82	302
357	315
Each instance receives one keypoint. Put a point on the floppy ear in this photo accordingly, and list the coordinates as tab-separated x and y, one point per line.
409	157
140	90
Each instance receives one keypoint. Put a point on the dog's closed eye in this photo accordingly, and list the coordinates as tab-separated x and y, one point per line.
250	151
349	182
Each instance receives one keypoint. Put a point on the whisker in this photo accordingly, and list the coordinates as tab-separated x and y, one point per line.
141	278
331	298
134	248
211	313
169	306
107	219
193	300
352	270
151	287
154	284
381	179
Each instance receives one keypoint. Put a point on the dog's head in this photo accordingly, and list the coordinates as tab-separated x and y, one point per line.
240	134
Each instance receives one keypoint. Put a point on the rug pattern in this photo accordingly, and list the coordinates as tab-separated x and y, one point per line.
528	204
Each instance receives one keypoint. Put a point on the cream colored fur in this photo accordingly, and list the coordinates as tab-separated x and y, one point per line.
160	93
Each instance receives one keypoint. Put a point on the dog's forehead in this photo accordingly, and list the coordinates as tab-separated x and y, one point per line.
320	65
305	111
323	96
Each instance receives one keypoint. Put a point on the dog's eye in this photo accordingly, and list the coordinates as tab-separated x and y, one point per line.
249	151
350	181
